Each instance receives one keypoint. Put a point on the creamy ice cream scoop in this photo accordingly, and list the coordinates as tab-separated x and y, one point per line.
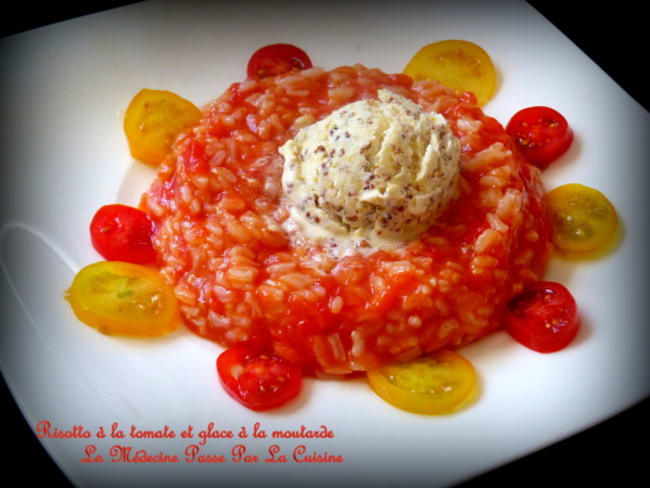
378	171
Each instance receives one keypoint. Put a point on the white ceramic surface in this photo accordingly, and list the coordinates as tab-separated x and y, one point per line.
63	153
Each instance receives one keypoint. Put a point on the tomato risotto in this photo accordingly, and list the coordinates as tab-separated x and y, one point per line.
219	211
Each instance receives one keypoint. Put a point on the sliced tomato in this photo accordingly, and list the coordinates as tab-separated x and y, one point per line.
152	122
258	381
541	133
584	221
275	59
120	298
544	317
434	384
460	65
123	233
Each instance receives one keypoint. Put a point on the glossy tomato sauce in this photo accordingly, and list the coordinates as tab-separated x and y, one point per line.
239	276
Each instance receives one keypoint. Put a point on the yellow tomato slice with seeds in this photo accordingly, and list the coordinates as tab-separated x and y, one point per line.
434	384
152	122
460	65
120	298
583	219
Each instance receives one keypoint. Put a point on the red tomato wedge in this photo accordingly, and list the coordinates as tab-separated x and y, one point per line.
541	133
544	317
123	233
275	59
257	381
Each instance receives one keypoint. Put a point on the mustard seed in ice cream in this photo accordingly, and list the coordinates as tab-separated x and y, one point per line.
379	171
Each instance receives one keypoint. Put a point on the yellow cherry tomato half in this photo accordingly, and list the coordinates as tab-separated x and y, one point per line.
460	65
152	122
583	219
434	384
118	298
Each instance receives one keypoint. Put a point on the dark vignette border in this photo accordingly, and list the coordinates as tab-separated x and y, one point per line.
613	36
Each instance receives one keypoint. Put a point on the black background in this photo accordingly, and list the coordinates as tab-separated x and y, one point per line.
613	35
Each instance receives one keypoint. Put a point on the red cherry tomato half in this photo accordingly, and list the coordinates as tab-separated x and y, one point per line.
276	59
541	133
123	233
257	381
544	317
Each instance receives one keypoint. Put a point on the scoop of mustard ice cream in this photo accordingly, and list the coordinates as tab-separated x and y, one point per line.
374	170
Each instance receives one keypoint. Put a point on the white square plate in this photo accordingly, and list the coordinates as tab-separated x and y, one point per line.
64	91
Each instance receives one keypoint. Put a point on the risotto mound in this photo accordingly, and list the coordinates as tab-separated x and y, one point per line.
218	207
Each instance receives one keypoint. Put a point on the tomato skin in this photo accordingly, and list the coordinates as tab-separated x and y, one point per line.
153	121
257	381
275	59
541	134
434	384
122	233
584	220
544	317
461	65
119	298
